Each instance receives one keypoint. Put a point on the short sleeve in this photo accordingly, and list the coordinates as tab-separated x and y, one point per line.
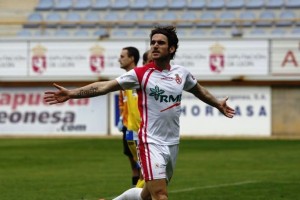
129	80
190	82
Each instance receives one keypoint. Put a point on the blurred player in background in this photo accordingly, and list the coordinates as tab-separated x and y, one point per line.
147	57
160	86
130	120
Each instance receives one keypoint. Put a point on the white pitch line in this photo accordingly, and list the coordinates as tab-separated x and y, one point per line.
213	186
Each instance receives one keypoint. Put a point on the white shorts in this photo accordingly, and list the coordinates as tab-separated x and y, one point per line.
157	161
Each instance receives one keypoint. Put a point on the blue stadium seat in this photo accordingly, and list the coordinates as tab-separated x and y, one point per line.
139	5
63	5
62	33
181	33
53	18
272	4
111	17
82	5
247	18
81	33
101	5
286	18
91	19
42	33
208	19
45	5
168	18
296	31
266	18
119	33
149	19
235	4
158	4
196	4
278	32
197	33
33	20
177	4
140	33
227	19
120	5
292	4
129	19
100	32
24	33
218	32
190	17
255	4
71	20
257	32
215	4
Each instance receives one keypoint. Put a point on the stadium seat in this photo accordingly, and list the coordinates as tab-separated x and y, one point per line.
215	4
91	19
255	4
53	18
120	5
196	4
62	33
101	5
227	19
177	4
197	33
258	32
168	18
139	5
272	4
292	4
100	32
82	5
63	5
42	33
247	18
286	18
235	4
81	33
71	20
158	4
140	33
45	5
218	33
130	19
278	32
149	19
24	33
188	19
266	18
207	19
181	33
112	17
119	33
33	20
296	31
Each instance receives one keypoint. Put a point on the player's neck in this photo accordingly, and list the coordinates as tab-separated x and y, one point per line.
162	64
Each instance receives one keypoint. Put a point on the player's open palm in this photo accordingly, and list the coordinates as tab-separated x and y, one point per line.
225	109
55	97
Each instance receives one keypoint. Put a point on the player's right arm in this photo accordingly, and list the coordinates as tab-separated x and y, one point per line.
92	90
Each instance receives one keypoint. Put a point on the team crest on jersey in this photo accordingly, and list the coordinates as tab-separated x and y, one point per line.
178	79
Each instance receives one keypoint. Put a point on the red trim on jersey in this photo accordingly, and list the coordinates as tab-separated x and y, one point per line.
142	97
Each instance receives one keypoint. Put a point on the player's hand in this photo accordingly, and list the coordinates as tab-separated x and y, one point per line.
225	109
55	97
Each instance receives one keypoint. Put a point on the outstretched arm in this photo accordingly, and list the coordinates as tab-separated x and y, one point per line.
204	95
94	89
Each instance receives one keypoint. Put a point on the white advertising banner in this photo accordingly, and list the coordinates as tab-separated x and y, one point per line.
252	105
13	59
78	58
228	57
23	112
285	57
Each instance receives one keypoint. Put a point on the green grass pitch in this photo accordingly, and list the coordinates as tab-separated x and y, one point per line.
93	168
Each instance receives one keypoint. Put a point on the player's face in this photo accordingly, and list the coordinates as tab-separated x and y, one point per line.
159	47
124	60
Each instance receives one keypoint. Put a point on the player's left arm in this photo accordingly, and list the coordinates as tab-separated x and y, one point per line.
204	95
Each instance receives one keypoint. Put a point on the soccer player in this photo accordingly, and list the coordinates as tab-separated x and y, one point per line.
147	57
160	86
129	121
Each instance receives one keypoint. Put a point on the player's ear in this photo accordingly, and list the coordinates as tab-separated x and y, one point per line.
172	49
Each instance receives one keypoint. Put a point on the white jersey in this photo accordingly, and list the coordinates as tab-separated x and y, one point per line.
159	97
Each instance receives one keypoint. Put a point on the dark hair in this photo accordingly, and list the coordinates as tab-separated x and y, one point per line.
132	51
170	33
145	56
